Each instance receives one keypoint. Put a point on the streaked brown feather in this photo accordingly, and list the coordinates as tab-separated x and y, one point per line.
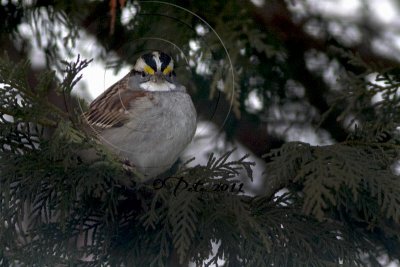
110	108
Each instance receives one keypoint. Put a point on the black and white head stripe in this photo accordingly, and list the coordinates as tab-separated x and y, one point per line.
158	61
150	60
165	61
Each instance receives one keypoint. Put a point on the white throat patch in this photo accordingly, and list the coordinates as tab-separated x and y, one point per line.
157	87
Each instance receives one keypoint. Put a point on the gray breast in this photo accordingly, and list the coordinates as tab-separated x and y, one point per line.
157	132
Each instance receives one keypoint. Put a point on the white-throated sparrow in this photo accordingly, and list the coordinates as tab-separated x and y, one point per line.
147	117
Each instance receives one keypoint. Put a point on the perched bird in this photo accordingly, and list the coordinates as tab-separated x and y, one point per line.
147	117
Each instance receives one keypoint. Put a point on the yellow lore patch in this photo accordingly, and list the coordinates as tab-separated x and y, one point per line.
148	69
167	70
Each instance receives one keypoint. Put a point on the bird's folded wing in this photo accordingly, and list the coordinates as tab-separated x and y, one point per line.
111	109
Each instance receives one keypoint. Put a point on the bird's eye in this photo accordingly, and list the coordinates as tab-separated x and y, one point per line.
143	74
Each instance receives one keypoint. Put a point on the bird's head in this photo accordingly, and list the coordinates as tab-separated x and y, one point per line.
156	71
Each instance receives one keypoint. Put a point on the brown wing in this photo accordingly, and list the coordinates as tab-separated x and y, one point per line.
110	109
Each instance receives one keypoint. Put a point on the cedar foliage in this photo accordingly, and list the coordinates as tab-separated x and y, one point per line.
337	204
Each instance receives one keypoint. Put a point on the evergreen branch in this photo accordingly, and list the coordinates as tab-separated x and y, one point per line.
324	172
72	69
183	213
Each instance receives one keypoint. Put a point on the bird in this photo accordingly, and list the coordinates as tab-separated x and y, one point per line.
147	118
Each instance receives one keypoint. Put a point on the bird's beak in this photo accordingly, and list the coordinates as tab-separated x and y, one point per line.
157	77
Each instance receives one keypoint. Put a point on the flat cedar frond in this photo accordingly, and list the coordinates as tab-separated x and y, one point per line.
372	84
226	169
183	218
356	168
72	69
313	236
188	213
